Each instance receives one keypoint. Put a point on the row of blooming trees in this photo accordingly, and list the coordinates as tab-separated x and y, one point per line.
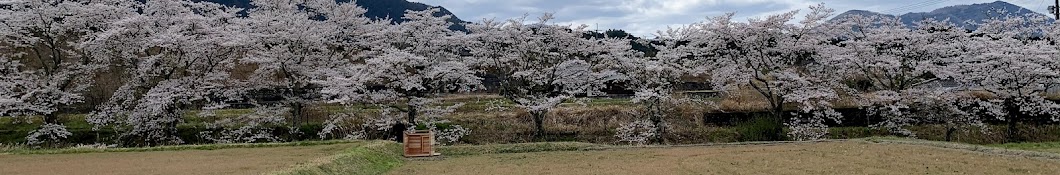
178	56
890	69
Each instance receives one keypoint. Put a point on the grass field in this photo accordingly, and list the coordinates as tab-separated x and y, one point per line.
1050	147
862	156
219	161
843	157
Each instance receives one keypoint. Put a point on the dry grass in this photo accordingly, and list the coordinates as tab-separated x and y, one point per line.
515	125
749	100
1053	96
849	157
743	101
595	118
468	97
221	161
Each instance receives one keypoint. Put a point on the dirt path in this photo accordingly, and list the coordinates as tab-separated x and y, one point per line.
851	157
222	161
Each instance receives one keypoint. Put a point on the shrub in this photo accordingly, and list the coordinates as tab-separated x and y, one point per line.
811	129
249	128
48	135
338	127
761	128
637	132
448	134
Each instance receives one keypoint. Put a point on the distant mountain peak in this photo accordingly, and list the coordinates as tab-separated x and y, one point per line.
967	16
860	12
395	9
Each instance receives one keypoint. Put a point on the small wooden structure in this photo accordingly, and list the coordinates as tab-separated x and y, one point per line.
419	143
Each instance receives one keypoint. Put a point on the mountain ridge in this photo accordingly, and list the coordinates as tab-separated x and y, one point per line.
967	16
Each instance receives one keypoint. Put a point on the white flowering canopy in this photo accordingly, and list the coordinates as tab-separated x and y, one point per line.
1016	60
894	62
44	61
539	64
177	53
778	59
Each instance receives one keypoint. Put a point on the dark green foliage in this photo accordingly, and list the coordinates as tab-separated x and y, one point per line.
421	126
761	128
643	47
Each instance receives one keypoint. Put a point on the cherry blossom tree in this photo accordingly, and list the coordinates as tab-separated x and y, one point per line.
1015	60
45	66
777	59
655	80
290	42
954	110
539	65
895	62
415	60
179	55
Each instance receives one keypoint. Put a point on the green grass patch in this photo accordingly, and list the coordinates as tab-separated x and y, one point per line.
1051	147
376	157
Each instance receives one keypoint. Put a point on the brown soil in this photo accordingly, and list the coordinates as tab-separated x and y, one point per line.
851	157
222	161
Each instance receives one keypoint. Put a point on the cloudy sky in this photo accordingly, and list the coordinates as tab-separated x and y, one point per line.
644	17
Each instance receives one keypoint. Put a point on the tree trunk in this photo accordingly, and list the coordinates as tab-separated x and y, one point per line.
171	131
778	116
1012	120
296	113
949	133
296	116
412	112
659	130
51	118
655	112
539	120
1013	134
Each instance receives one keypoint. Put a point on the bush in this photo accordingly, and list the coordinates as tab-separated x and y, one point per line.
48	135
637	132
761	128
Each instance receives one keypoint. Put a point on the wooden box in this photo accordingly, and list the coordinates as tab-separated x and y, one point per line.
419	143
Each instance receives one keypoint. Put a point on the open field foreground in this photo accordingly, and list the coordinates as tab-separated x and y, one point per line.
863	156
846	157
220	161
